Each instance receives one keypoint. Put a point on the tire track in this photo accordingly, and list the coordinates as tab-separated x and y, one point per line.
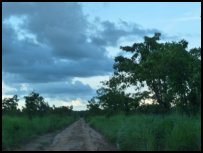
79	136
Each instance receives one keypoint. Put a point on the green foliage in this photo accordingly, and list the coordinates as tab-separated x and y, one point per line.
170	71
16	130
62	110
150	109
9	105
113	99
35	118
93	107
34	104
151	132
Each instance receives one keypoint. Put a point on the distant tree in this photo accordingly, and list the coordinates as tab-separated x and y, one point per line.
43	108
71	108
35	105
63	110
9	105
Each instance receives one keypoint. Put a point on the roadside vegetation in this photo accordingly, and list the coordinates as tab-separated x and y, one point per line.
145	132
36	118
168	76
18	130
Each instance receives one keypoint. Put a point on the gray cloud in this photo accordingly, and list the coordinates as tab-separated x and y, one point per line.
63	30
111	33
59	49
73	91
55	89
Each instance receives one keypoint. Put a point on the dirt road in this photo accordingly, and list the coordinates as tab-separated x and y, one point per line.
77	137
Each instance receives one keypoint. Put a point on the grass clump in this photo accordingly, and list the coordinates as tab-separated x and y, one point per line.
151	132
20	129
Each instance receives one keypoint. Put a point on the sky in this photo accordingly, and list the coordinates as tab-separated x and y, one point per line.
63	50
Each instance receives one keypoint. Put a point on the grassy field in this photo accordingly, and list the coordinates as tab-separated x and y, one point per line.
16	130
150	132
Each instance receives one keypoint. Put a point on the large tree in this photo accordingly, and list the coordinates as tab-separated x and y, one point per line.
167	69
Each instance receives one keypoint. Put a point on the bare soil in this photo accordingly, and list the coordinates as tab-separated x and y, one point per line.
79	136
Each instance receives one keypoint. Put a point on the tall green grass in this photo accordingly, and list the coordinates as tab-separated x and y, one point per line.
16	130
150	132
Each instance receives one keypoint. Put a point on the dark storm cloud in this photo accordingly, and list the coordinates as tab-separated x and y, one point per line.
59	49
58	71
111	33
68	89
53	89
37	64
8	36
61	27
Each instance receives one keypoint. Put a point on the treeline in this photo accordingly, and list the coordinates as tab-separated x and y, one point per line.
167	73
35	105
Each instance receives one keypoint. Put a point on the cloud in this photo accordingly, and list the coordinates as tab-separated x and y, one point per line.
74	103
24	87
54	46
6	89
63	28
94	82
47	45
111	32
65	89
64	52
77	104
188	18
60	90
